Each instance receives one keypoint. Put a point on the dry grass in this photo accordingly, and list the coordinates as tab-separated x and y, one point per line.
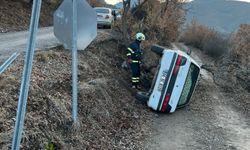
241	44
208	40
45	57
109	118
160	22
234	69
240	55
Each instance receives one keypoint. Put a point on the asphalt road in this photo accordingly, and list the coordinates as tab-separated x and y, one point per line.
17	41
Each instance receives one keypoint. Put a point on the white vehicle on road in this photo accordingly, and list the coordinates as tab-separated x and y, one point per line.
174	81
104	16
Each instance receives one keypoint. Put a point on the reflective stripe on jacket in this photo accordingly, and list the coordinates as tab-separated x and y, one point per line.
134	51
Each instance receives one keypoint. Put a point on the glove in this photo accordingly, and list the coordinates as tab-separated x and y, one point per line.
141	64
129	61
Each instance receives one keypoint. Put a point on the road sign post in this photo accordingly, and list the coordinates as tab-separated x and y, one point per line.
76	18
74	62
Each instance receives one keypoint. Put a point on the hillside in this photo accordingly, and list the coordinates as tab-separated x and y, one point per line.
223	15
19	17
109	116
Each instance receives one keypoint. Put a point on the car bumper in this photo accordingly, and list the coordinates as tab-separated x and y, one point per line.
103	23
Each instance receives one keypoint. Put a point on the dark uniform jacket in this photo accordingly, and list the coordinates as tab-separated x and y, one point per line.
134	52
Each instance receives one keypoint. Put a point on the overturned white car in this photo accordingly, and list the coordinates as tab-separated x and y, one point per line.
174	81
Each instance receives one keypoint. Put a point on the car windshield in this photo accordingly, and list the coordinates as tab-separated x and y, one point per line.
104	11
189	85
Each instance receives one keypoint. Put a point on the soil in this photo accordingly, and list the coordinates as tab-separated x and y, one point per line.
109	116
15	15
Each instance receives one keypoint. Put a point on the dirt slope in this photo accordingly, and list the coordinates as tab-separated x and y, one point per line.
15	15
109	117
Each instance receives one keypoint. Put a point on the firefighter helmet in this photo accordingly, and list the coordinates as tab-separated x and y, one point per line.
140	36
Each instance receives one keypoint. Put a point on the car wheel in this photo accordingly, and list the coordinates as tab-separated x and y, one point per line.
157	49
142	96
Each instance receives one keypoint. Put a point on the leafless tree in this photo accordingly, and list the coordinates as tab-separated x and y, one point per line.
126	8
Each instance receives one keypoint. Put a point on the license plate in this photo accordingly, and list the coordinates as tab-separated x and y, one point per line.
162	80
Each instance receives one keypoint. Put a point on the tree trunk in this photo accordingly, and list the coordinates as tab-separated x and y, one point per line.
126	7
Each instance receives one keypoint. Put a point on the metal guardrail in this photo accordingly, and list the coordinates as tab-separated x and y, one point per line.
8	62
24	89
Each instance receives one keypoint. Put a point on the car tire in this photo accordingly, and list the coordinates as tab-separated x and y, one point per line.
142	96
157	49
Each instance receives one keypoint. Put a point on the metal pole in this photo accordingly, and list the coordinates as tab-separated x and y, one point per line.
74	62
8	62
24	89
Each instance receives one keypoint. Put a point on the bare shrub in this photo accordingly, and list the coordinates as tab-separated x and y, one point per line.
194	34
240	55
208	40
214	44
159	21
234	68
241	44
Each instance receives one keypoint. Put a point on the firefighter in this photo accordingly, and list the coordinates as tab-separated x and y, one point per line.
134	55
